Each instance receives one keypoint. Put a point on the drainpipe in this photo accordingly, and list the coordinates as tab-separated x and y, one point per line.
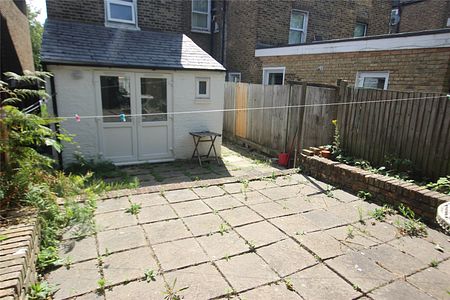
55	111
224	13
213	23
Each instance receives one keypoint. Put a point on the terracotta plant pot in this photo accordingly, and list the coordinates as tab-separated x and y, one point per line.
325	153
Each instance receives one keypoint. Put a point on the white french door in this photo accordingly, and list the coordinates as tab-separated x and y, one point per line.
146	135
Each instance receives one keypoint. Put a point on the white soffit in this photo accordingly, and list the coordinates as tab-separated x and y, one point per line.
436	40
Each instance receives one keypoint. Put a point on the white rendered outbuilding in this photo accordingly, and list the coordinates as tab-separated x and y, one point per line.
127	113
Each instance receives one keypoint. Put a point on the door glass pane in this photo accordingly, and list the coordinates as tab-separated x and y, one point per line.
115	92
275	78
297	20
295	37
154	98
200	5
199	20
122	12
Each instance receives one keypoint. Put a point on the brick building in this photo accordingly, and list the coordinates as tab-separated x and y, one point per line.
15	44
275	23
418	15
417	61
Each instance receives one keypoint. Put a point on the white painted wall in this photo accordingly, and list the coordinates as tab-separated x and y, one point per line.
76	94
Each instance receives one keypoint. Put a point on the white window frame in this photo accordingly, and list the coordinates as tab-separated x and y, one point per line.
238	74
208	23
305	25
269	70
208	88
365	28
131	4
362	75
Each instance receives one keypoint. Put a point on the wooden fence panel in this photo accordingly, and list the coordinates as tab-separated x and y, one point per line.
241	113
406	125
229	104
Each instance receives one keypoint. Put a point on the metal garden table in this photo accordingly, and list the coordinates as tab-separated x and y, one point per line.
205	137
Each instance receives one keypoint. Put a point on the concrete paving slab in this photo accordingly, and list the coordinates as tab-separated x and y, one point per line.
286	257
324	219
190	208
322	244
86	275
112	205
114	220
251	197
381	231
148	199
261	184
223	245
294	225
78	250
120	239
271	209
421	249
319	282
180	195
223	202
399	290
209	192
233	188
351	237
246	271
279	193
432	282
203	224
269	292
138	290
361	271
178	254
128	265
166	231
394	260
203	282
156	213
261	233
240	216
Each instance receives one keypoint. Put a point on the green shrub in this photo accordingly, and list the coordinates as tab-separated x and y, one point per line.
442	185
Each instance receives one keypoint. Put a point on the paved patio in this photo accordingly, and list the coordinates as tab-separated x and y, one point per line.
236	161
283	238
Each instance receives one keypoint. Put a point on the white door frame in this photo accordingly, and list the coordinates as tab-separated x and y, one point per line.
135	122
169	123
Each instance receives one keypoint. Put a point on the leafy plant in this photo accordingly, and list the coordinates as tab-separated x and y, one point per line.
251	246
380	214
329	191
364	195
3	237
41	291
150	275
434	263
350	234
361	215
172	293
101	284
134	209
289	284
442	185
223	228
336	150
411	226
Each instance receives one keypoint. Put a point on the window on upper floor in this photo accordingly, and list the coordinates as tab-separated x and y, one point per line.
122	11
360	29
201	15
297	28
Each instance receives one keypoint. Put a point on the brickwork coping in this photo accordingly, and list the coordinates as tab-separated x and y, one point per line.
19	247
384	189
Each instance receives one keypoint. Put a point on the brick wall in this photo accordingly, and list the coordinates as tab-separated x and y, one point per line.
267	22
420	70
154	15
423	15
15	50
383	189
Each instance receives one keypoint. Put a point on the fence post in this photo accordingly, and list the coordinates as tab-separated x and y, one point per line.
341	109
301	115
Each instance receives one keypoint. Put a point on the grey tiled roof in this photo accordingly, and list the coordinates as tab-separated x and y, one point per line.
87	44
